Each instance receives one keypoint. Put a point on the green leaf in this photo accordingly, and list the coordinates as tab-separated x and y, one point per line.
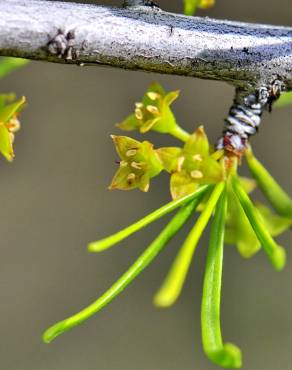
238	231
278	198
275	253
223	354
172	285
111	240
8	65
141	263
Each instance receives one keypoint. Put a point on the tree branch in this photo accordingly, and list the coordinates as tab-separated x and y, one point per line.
148	39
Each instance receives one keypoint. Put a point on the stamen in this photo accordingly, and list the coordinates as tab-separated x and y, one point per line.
138	113
136	165
123	163
180	163
153	95
139	105
197	174
152	109
197	157
131	152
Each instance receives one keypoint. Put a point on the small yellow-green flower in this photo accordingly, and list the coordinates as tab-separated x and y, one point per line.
192	5
139	163
9	124
191	166
154	113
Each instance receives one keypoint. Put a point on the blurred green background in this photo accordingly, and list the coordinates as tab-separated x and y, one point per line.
54	199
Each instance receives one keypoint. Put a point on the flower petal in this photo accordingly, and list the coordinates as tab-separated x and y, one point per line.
182	184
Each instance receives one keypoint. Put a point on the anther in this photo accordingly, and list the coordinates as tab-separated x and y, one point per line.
131	152
153	95
152	109
136	165
138	113
197	174
197	157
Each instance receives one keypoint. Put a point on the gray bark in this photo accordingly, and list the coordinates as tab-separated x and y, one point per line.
148	39
135	2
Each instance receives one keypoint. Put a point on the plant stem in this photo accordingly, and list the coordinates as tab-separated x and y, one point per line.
276	254
172	286
141	263
180	133
279	199
111	240
226	355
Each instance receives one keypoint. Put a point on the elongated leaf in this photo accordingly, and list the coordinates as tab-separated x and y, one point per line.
225	355
172	286
276	254
141	263
106	243
279	199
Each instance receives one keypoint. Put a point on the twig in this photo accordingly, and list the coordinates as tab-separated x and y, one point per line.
146	38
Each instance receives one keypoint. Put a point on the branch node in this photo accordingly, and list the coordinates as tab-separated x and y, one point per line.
245	115
62	45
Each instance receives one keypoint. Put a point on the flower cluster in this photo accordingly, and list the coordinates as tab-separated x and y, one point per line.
203	183
189	167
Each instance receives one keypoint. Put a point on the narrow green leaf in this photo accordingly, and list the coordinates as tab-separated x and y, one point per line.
279	199
172	286
238	229
8	65
276	254
106	243
222	354
141	263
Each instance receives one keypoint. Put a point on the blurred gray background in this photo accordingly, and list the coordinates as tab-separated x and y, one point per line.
54	199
